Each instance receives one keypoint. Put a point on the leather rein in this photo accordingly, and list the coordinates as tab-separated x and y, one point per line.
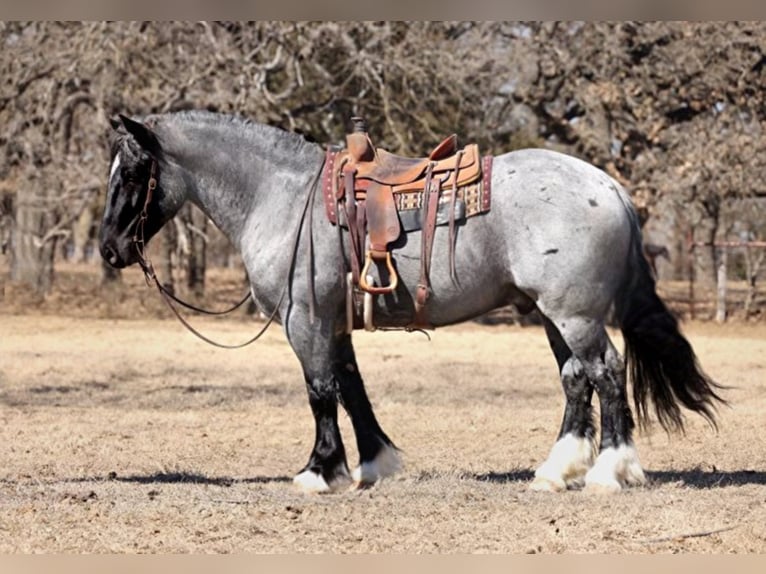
151	276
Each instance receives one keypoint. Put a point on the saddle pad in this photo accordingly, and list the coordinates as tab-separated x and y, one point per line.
470	201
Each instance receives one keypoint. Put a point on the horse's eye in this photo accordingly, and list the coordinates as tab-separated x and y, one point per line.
131	180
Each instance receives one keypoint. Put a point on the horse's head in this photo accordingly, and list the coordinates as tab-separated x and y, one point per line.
136	154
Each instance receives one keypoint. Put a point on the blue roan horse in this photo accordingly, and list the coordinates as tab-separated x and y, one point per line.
561	237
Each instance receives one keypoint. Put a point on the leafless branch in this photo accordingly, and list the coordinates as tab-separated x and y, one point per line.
679	537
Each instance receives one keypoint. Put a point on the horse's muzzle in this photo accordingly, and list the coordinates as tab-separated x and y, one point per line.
111	256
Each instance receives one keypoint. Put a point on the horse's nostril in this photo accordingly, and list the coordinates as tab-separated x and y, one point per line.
109	255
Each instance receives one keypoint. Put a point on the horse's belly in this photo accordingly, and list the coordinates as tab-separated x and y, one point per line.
481	283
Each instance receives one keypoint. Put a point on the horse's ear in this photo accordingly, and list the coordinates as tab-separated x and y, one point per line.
145	137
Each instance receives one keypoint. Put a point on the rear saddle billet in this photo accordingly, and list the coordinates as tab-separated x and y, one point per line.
377	196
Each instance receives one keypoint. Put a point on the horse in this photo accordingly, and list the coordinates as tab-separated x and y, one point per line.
561	237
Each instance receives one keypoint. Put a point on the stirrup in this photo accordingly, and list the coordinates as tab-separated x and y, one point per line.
393	277
366	306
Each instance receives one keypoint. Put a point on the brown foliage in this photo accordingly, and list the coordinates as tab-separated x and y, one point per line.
666	107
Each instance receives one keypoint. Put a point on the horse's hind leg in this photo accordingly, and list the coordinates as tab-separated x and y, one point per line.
617	464
573	454
378	457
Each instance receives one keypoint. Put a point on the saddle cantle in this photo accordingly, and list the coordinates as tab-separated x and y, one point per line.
378	195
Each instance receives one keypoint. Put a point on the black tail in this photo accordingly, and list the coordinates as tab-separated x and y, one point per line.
660	362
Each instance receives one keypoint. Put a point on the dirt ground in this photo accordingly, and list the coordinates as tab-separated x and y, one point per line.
129	435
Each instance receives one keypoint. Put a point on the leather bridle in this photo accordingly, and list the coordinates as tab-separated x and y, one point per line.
151	276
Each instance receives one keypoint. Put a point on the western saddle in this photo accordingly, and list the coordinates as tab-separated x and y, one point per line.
377	195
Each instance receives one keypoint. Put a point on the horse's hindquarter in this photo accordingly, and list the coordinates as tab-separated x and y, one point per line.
567	229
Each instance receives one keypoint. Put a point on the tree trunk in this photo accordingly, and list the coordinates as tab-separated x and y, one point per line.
196	225
752	268
691	273
31	257
170	245
704	256
81	234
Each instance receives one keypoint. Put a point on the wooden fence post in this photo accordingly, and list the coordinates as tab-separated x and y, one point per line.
720	309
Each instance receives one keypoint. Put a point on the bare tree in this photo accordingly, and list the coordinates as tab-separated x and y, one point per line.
68	78
675	110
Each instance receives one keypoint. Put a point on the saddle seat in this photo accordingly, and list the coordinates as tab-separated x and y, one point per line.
390	169
404	174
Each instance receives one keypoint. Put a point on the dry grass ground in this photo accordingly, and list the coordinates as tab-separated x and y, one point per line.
129	435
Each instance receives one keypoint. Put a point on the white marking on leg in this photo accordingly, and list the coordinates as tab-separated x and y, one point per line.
311	482
567	464
615	469
386	464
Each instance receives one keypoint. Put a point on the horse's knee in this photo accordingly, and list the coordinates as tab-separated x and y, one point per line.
605	380
322	391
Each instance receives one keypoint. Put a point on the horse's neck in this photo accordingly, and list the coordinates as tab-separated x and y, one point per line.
229	174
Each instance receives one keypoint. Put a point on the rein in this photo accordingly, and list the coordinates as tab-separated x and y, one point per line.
151	276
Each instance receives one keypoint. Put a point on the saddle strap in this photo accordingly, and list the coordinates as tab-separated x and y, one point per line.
430	208
355	221
452	230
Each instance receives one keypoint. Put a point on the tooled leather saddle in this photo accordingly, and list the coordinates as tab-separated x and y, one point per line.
378	196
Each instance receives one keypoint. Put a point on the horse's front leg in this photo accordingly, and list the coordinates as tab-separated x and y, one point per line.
314	345
378	457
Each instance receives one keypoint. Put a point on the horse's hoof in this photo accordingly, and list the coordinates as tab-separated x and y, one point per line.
386	464
544	484
570	458
615	469
311	482
602	488
633	474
